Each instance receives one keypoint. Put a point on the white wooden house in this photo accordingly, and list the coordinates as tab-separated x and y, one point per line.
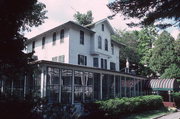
71	43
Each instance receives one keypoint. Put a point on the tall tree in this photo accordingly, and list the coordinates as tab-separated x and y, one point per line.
84	19
163	53
148	11
17	16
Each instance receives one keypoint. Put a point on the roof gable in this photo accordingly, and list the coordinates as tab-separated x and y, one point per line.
102	21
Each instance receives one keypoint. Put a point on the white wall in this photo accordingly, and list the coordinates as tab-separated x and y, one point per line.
77	48
49	49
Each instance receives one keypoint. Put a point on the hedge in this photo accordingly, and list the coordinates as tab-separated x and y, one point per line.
176	97
118	106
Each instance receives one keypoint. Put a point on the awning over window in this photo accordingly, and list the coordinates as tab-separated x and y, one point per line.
162	84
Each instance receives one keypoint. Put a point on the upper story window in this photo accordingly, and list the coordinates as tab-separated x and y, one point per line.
112	66
43	42
99	42
33	45
82	60
82	37
62	36
103	63
61	58
102	27
95	62
112	48
106	44
54	59
54	38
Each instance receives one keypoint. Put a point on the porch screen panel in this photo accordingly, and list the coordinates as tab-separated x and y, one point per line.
118	86
96	86
108	86
53	85
78	86
88	87
123	81
66	88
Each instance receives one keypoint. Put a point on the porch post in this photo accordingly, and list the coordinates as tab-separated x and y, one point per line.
12	86
114	86
134	87
125	86
72	86
42	82
60	84
169	93
2	86
101	78
141	93
120	86
25	81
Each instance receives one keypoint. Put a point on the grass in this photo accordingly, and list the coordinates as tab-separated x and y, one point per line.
147	114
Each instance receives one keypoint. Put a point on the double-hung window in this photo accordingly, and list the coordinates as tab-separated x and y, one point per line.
103	63
33	45
106	44
82	37
62	36
54	38
95	62
61	58
43	42
99	42
82	60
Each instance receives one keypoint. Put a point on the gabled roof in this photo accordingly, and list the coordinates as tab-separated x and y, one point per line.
100	21
65	24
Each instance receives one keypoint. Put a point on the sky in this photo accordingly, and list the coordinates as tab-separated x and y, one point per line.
61	11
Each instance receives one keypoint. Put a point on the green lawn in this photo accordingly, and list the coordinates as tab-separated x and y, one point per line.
147	114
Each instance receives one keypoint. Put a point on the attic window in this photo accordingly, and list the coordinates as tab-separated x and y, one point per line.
102	27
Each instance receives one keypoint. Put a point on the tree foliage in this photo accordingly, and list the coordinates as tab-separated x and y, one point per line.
163	53
17	16
137	48
148	11
84	19
173	71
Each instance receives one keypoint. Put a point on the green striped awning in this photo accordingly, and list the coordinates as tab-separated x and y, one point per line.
162	84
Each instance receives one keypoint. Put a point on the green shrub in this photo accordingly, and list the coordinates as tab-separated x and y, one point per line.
176	97
119	106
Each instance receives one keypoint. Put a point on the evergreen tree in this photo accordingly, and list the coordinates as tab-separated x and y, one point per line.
148	11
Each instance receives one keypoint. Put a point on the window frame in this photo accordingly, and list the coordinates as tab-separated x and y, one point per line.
33	45
43	42
102	27
81	37
99	42
112	48
95	64
54	38
82	60
106	45
62	36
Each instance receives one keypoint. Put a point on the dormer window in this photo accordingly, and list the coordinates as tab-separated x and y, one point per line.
99	42
54	38
106	44
62	36
102	27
